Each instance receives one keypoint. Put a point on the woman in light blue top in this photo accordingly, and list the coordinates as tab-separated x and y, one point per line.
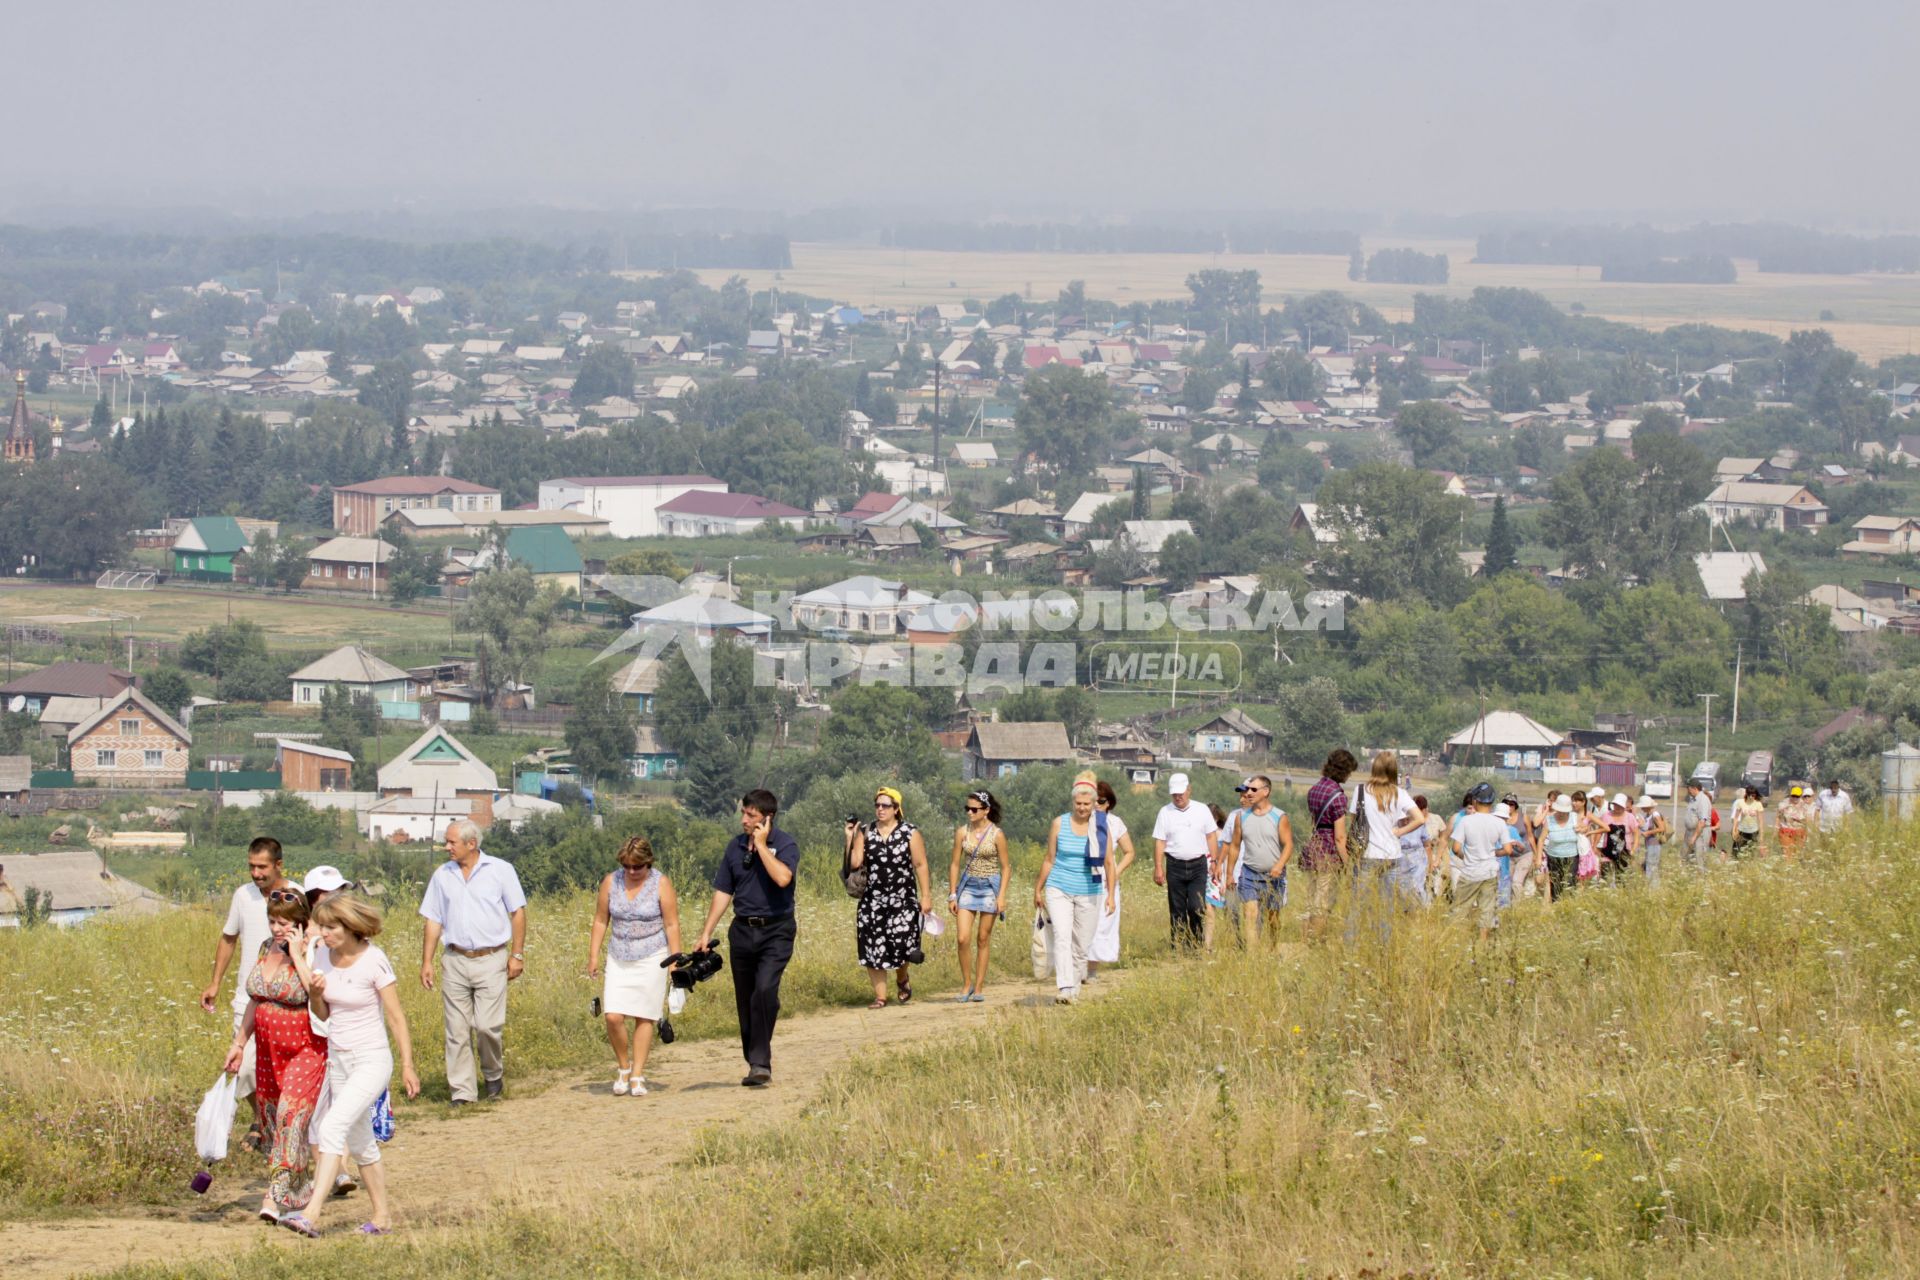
638	917
1074	884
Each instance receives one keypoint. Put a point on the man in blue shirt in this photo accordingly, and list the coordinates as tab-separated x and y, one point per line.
756	879
474	904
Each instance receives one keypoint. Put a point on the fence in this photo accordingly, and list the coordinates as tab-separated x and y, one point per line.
232	780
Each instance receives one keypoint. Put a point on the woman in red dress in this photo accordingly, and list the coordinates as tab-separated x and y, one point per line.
290	1060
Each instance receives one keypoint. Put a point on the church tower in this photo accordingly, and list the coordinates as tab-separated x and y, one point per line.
19	445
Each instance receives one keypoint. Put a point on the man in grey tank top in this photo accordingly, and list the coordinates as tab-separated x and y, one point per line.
1260	842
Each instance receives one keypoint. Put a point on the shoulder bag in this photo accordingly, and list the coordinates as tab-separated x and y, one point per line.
852	878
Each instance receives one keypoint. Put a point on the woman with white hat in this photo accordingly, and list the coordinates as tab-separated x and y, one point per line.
1560	842
1654	830
1619	839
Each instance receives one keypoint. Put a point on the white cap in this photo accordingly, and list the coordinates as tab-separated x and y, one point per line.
1501	811
1620	798
1597	793
1646	802
324	878
1179	784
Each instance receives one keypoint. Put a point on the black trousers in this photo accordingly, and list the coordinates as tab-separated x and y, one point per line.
1562	876
1187	899
759	954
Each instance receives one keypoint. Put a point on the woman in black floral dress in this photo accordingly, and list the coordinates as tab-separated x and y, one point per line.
887	924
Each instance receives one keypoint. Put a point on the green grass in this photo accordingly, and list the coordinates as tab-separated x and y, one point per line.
1718	1078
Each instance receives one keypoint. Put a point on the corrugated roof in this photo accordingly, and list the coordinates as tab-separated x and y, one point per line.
544	549
314	749
1034	740
213	535
1722	573
74	679
466	773
353	551
77	880
350	664
738	506
414	486
112	705
1498	729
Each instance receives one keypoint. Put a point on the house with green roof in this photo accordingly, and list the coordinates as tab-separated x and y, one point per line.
206	548
549	554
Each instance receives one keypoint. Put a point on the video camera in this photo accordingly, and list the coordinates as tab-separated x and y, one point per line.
695	966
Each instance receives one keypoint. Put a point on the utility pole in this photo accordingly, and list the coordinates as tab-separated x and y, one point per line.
1739	652
1706	751
1673	819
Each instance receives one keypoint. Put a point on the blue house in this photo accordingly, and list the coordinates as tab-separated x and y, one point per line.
651	758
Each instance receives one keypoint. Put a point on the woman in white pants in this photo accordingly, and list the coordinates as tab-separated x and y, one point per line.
1106	938
352	990
1074	885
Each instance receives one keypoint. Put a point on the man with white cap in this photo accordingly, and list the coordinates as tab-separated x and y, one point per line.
1184	844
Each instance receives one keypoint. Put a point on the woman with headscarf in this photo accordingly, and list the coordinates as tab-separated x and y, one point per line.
887	923
1106	937
980	874
1075	882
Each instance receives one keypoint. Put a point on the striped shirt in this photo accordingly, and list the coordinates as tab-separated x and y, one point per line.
1070	873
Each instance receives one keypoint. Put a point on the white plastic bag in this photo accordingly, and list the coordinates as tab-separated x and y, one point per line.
1042	946
213	1123
676	1001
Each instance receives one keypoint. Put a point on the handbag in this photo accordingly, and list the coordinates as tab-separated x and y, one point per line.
1042	945
853	879
382	1117
1357	825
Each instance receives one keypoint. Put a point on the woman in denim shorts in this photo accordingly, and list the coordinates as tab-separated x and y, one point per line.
979	874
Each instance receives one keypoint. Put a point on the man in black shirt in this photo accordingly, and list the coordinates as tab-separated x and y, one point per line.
756	879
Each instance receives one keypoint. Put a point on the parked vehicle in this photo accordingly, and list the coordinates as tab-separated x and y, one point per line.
1659	782
1759	773
1707	774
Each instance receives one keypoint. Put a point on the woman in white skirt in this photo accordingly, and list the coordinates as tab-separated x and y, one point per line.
1106	938
638	917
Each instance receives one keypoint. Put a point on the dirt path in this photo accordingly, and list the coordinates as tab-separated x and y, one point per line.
524	1148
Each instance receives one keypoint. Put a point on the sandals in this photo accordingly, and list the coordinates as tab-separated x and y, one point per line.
638	1089
963	997
620	1082
298	1224
879	1003
906	992
368	1229
255	1140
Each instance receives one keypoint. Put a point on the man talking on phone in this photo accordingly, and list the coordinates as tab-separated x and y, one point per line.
756	879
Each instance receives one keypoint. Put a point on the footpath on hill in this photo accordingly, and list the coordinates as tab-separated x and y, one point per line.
444	1168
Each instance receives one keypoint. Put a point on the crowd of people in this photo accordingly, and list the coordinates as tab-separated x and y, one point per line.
318	1023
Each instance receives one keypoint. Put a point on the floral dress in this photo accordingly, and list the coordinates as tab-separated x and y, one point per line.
290	1066
887	923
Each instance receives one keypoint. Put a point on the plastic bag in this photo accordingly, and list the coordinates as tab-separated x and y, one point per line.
676	1001
383	1117
213	1123
1588	865
1042	945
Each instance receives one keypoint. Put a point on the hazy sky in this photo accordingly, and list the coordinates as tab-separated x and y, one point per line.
1689	107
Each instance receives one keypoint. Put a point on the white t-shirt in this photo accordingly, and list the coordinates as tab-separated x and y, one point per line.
1116	831
1185	830
1481	837
1381	842
1834	807
247	920
355	1021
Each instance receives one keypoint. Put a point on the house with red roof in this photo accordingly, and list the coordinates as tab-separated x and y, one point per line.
631	504
702	514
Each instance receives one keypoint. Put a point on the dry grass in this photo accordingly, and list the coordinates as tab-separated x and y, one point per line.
1719	1078
1879	315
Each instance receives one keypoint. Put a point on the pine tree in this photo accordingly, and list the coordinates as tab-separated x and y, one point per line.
714	766
1502	556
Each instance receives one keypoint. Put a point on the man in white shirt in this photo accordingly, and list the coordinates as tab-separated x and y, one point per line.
1479	838
1835	807
1184	843
474	902
244	932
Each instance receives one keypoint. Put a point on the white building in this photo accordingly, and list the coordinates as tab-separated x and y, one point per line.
629	503
701	514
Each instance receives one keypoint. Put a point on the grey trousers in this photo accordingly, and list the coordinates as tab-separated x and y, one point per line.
473	993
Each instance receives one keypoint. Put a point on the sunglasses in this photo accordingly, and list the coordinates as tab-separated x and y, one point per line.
285	895
976	808
883	804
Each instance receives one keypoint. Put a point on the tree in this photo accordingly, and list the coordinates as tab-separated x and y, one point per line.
877	731
1291	376
510	616
1181	559
413	570
716	772
1432	432
1220	296
290	563
1398	531
1509	389
168	688
1614	518
600	727
647	562
605	371
387	389
734	706
1065	419
1502	556
217	648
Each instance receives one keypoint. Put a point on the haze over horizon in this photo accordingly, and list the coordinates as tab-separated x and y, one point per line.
1676	111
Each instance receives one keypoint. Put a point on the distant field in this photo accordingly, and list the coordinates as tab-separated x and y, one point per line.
291	622
1877	315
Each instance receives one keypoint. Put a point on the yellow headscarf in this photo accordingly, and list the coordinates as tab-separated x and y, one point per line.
893	794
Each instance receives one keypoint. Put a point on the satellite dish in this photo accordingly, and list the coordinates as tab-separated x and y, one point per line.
17	703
